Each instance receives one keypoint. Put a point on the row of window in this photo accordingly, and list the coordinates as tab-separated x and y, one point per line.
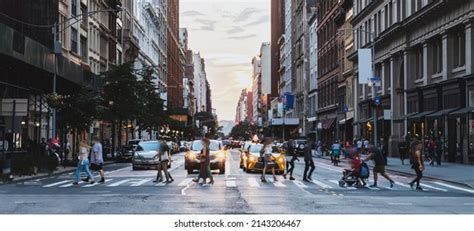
327	93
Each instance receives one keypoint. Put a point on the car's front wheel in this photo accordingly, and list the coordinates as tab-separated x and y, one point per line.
222	170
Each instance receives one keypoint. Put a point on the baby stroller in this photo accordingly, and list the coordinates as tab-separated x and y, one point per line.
352	176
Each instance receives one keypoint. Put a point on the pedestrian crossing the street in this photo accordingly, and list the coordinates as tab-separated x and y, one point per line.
252	182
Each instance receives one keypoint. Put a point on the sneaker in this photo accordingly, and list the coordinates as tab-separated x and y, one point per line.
411	185
264	180
157	181
373	186
392	183
75	183
196	180
419	188
92	182
306	180
292	178
102	181
86	179
284	176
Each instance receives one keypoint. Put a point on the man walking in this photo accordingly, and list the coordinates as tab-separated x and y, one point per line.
290	165
439	149
418	165
379	164
308	162
97	160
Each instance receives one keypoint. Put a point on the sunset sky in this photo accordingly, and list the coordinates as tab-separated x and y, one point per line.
227	33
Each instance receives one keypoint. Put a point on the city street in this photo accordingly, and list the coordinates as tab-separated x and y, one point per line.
235	192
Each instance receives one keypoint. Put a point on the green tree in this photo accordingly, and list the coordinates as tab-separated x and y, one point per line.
243	130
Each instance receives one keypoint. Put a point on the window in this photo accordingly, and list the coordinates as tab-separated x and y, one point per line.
437	56
459	45
84	13
62	31
73	40
84	48
74	7
418	62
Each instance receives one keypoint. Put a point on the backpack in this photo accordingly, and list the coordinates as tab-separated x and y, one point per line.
364	171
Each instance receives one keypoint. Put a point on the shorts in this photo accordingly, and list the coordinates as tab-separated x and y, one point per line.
96	167
379	168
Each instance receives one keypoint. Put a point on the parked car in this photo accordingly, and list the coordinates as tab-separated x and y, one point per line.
253	162
146	155
125	154
217	154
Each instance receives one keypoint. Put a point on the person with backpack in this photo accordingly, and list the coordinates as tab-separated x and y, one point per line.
418	165
380	161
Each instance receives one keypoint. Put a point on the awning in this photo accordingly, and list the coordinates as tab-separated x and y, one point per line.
442	113
403	117
420	115
327	123
461	112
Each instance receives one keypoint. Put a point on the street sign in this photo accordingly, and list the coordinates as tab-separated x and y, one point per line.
377	101
365	65
375	81
289	100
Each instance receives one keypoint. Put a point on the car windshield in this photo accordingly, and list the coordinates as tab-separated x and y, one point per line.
257	147
131	142
213	146
301	141
151	146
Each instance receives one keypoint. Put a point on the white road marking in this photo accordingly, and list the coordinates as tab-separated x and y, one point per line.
118	183
96	183
26	202
253	182
227	165
321	184
230	184
57	183
299	184
185	182
140	182
432	187
373	188
402	184
337	182
468	203
278	184
399	203
183	191
454	187
327	167
161	184
69	185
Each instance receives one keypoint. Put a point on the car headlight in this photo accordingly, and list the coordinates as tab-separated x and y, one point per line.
192	155
220	155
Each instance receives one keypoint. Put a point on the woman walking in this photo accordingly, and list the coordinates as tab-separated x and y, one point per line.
83	164
418	165
266	154
204	161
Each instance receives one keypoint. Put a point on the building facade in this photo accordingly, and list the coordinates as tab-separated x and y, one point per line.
424	56
277	30
313	75
175	57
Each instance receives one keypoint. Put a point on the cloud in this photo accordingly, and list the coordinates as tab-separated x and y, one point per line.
235	30
242	37
192	13
245	14
262	19
206	24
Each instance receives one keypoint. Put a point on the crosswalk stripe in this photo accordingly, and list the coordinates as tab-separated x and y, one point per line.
96	183
118	183
185	182
253	182
402	184
57	183
69	185
321	184
230	184
161	184
373	188
140	182
279	184
299	184
337	182
454	187
432	187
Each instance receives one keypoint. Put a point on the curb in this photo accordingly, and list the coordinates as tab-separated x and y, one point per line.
413	175
44	176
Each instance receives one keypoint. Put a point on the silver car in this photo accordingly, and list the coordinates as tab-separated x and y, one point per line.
146	155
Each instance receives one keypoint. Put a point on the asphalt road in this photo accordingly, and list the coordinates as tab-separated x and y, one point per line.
236	192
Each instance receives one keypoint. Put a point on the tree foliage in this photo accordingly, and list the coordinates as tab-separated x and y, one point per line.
243	131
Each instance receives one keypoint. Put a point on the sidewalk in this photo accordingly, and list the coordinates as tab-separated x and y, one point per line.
450	172
59	171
